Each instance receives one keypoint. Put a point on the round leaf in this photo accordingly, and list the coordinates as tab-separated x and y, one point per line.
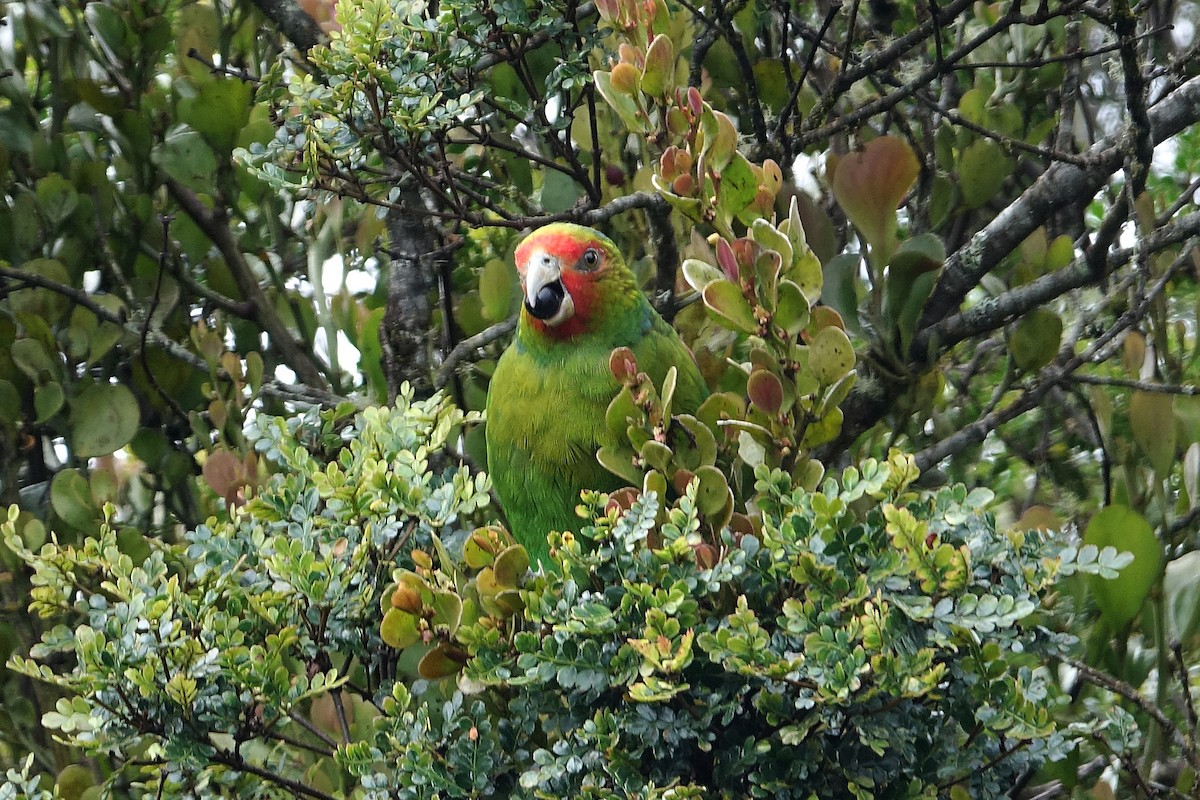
1035	341
399	629
497	283
869	184
71	498
831	355
103	419
1121	598
982	170
765	391
726	301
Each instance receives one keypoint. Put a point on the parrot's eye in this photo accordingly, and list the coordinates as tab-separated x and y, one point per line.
590	259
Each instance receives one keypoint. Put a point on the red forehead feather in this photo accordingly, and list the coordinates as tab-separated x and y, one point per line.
569	245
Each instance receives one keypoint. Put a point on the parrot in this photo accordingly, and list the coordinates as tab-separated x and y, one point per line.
551	387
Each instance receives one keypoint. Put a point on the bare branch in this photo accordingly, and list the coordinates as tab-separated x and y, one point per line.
1147	706
1140	386
467	347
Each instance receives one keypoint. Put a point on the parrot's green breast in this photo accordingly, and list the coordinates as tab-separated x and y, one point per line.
545	417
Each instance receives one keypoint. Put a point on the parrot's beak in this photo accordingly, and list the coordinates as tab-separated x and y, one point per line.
545	296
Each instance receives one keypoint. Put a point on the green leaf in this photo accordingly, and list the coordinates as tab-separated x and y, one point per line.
72	500
791	308
441	662
184	156
658	75
497	287
840	291
218	111
1036	339
511	565
720	139
399	629
620	463
10	403
771	77
622	103
724	299
47	304
699	274
830	355
57	198
559	191
47	400
1151	418
103	418
738	187
1121	599
1181	586
982	170
31	358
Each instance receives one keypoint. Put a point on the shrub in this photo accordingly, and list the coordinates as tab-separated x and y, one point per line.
865	640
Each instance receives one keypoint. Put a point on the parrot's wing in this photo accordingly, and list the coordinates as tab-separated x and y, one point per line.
659	350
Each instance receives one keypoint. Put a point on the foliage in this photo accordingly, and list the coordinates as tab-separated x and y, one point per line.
205	653
869	640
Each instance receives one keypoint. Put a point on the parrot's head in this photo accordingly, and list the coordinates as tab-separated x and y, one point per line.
570	276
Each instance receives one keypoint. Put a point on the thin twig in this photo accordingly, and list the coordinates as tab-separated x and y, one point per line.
469	346
1141	386
1123	689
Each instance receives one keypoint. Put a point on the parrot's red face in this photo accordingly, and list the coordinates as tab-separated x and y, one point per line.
562	267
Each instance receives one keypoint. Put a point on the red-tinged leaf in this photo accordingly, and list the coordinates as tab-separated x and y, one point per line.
824	317
223	471
623	365
622	499
681	479
625	78
870	183
727	260
765	391
658	76
725	300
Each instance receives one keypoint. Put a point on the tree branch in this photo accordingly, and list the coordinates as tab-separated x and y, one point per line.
1122	689
214	226
1058	185
992	313
469	346
1049	377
